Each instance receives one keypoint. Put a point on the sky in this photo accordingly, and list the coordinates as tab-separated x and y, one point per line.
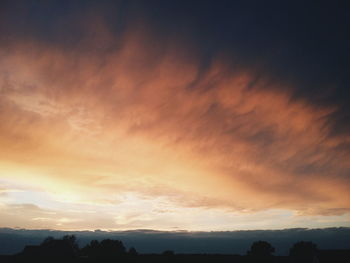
174	115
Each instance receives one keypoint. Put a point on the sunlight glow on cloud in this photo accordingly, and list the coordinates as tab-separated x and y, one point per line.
139	137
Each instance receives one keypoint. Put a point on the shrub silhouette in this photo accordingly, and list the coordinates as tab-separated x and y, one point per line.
303	251
168	253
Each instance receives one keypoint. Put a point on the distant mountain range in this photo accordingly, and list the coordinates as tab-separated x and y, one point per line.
152	241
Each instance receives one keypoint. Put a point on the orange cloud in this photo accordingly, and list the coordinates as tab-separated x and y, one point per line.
144	118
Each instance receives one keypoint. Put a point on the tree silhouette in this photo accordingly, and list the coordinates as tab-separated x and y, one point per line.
107	248
303	251
261	251
112	247
66	247
47	240
92	249
71	240
132	251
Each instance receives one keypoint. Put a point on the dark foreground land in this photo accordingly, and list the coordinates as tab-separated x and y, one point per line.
331	256
66	250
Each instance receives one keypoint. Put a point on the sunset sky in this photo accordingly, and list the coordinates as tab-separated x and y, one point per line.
174	115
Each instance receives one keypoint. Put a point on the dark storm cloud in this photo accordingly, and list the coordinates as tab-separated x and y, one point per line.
301	43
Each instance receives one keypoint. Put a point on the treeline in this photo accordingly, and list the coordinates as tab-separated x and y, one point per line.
67	249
